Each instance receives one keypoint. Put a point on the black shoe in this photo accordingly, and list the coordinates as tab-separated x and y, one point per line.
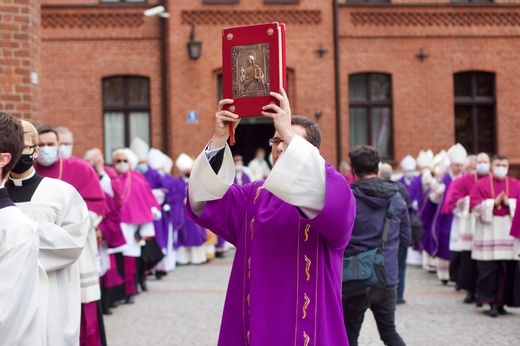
400	301
493	311
144	286
444	282
129	299
502	310
107	312
470	298
115	304
159	274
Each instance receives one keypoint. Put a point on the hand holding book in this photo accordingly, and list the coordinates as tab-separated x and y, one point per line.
253	65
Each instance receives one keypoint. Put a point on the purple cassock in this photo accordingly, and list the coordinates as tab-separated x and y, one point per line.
82	176
437	226
459	188
110	225
190	234
491	188
515	224
137	199
287	268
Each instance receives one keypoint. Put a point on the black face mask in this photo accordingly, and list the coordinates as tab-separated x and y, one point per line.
24	163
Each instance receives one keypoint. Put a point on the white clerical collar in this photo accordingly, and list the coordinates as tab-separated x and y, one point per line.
19	182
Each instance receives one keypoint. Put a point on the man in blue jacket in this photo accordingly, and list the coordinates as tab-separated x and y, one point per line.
373	195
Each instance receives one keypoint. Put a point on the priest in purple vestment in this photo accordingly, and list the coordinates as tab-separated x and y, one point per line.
437	226
191	236
290	231
493	201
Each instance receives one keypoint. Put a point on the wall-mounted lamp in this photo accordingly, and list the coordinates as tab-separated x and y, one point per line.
157	11
321	51
194	47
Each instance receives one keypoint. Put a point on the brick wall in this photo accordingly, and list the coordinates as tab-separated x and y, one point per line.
20	58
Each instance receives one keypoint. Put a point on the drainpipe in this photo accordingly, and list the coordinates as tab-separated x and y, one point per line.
337	90
165	105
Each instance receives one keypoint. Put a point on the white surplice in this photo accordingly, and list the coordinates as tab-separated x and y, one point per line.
20	314
63	224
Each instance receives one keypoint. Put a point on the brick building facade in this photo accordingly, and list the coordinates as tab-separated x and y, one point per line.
402	75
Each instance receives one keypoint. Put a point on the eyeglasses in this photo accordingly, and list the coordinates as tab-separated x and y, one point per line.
27	148
275	141
119	161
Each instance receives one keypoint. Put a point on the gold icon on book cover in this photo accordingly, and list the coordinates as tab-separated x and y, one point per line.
250	69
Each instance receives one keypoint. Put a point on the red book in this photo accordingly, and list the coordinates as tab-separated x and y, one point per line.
253	64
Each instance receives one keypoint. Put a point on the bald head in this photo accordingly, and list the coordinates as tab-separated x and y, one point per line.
385	171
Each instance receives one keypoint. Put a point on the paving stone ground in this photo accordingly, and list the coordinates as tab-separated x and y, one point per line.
185	307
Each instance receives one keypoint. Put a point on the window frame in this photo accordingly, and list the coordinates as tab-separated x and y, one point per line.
126	108
369	105
474	101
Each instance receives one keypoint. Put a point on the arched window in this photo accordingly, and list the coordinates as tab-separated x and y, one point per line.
370	99
126	111
475	111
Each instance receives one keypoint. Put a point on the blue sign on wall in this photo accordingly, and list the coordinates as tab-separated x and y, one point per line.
192	117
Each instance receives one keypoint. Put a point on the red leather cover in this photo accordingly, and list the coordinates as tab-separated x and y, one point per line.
253	64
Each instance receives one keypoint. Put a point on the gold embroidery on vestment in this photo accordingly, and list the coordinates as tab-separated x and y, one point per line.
307	267
307	227
305	305
306	338
257	193
249	267
251	227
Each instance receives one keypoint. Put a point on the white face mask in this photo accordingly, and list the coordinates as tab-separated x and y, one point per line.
47	156
483	168
122	167
65	151
500	172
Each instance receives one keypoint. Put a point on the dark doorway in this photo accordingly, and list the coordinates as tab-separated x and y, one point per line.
251	134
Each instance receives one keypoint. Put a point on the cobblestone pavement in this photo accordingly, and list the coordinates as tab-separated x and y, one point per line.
185	307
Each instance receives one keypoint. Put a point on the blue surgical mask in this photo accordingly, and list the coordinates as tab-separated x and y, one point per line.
47	156
410	175
142	167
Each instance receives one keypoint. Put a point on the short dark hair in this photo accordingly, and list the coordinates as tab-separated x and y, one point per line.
364	160
46	128
11	140
312	130
498	157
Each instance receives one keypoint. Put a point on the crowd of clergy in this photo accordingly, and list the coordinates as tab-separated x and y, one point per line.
102	230
467	206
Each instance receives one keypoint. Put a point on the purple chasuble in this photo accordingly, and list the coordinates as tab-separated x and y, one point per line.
190	234
437	226
169	185
156	181
285	284
82	176
137	199
415	192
